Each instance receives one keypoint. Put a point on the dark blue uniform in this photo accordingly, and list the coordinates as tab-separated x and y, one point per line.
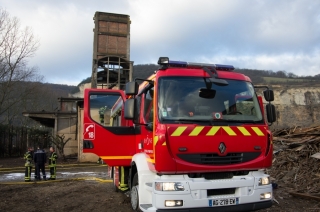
40	158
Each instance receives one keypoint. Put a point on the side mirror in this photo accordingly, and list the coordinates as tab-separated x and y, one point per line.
129	110
132	88
271	113
268	95
207	93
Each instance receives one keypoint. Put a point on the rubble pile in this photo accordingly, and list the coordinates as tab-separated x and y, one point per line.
296	159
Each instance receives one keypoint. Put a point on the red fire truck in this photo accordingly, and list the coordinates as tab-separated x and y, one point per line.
191	137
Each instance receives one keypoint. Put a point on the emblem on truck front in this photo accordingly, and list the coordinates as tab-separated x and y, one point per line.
222	147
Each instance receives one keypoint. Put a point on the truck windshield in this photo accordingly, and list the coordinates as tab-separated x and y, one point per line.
193	99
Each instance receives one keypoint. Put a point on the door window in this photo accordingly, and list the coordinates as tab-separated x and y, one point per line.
148	106
104	108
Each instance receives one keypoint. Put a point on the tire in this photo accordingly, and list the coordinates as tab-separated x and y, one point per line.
114	182
134	195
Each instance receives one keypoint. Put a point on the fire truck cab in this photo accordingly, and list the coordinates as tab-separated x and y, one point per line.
191	137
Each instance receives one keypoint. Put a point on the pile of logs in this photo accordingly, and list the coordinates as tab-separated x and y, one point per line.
296	159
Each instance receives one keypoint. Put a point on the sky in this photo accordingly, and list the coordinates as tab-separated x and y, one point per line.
276	35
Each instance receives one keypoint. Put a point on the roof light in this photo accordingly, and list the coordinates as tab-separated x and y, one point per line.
165	62
224	67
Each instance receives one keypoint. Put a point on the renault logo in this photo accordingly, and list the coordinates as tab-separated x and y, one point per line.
222	147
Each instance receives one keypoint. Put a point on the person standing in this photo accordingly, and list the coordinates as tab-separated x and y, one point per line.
28	157
52	163
40	160
35	165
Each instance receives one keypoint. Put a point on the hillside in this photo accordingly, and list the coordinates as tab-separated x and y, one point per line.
144	71
36	97
257	76
62	90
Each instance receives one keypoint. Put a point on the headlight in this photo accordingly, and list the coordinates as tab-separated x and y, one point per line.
173	203
264	181
266	195
172	186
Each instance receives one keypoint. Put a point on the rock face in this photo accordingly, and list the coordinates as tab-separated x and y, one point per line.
296	106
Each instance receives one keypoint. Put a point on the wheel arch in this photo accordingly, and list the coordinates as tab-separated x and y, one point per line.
139	164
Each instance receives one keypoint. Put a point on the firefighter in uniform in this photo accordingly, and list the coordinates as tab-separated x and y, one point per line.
52	163
28	157
123	181
40	159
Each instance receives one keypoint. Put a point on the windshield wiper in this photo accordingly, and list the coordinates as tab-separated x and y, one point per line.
213	121
192	120
245	121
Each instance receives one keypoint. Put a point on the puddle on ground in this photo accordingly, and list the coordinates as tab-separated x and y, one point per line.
60	175
12	176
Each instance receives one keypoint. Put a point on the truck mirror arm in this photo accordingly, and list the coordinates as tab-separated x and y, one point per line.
150	81
270	108
213	77
149	126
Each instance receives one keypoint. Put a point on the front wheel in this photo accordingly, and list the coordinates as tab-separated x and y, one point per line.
134	195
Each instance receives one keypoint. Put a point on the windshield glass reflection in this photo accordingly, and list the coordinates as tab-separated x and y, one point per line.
197	99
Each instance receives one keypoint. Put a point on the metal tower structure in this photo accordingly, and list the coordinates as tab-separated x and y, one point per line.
111	65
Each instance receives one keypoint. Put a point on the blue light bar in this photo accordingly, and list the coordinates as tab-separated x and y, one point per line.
172	63
200	65
224	67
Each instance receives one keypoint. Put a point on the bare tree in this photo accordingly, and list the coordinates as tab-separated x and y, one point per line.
59	141
17	46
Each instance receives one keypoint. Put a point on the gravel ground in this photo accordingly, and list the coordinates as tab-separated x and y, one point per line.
97	195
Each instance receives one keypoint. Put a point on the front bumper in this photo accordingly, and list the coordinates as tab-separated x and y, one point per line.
197	195
243	207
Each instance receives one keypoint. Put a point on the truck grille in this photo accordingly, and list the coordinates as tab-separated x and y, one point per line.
223	191
215	159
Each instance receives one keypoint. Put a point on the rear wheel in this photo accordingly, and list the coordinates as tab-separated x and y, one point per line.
115	178
135	193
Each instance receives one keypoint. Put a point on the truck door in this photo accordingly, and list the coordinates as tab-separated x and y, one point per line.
105	132
147	120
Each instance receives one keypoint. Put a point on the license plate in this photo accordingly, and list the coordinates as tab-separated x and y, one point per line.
223	202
